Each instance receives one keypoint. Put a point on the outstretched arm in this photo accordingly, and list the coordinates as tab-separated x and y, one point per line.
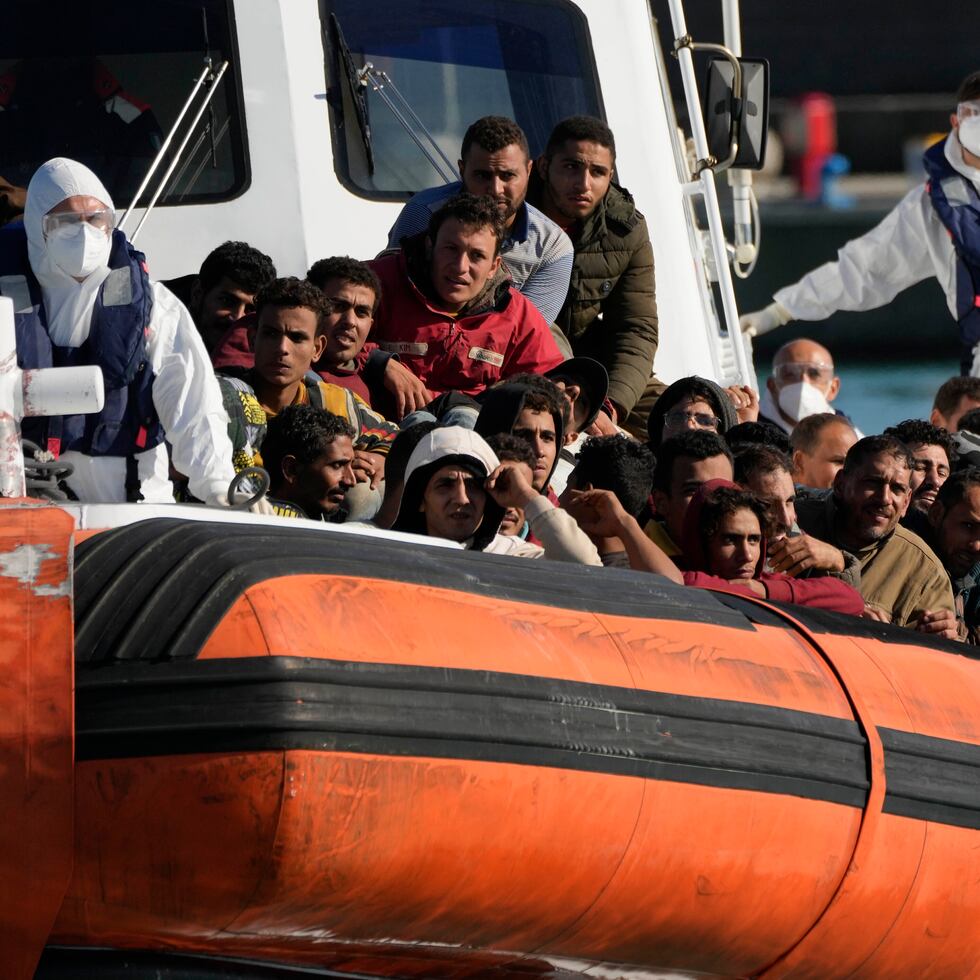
600	514
560	537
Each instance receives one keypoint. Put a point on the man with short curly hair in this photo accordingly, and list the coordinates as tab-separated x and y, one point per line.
495	160
225	289
449	311
932	451
609	489
309	455
287	339
619	464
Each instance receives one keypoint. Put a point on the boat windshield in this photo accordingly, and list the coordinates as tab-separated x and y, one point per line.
451	64
103	82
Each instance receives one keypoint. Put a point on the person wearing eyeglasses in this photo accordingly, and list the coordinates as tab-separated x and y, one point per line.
934	231
802	383
696	403
82	296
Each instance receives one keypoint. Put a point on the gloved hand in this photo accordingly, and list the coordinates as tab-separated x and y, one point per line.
260	506
762	321
263	507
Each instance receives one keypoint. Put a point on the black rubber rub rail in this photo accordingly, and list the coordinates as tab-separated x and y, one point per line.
931	778
78	963
156	589
269	703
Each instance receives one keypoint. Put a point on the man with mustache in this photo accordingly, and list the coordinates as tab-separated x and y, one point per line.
495	161
902	580
932	450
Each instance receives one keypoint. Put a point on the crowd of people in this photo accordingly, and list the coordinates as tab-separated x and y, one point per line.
488	379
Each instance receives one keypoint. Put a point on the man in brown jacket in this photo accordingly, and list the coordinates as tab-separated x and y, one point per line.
610	313
902	580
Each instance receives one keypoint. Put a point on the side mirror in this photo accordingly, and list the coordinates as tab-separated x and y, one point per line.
740	121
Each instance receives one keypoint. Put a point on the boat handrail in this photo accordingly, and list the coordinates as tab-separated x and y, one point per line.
703	186
213	80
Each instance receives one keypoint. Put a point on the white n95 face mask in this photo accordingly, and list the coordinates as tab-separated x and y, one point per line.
78	250
969	134
802	399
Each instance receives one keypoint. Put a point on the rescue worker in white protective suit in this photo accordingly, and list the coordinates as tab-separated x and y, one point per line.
933	231
82	296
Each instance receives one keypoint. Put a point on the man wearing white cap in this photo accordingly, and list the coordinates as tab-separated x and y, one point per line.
456	488
82	296
933	231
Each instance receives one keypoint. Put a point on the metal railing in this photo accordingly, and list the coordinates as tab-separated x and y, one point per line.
209	80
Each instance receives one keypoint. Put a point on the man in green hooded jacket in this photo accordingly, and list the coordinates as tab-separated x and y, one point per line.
610	312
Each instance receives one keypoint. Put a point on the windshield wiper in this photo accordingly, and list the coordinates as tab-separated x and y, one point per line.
356	91
380	82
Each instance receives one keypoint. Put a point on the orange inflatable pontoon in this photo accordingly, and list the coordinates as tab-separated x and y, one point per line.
298	751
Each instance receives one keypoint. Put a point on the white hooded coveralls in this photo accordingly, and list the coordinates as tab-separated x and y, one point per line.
910	244
185	391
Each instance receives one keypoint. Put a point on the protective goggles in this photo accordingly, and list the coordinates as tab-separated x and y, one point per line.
812	371
965	109
701	419
104	220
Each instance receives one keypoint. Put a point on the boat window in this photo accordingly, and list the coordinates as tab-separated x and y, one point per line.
442	65
103	82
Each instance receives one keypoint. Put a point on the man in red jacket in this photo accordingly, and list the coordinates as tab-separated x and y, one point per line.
448	309
724	545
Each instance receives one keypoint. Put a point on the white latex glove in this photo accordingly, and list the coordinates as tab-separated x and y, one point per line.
764	320
263	507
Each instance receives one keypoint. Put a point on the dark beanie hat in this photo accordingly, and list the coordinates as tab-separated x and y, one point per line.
715	395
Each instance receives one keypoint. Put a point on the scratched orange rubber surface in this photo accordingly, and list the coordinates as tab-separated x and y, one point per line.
390	622
425	867
914	885
329	853
36	728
